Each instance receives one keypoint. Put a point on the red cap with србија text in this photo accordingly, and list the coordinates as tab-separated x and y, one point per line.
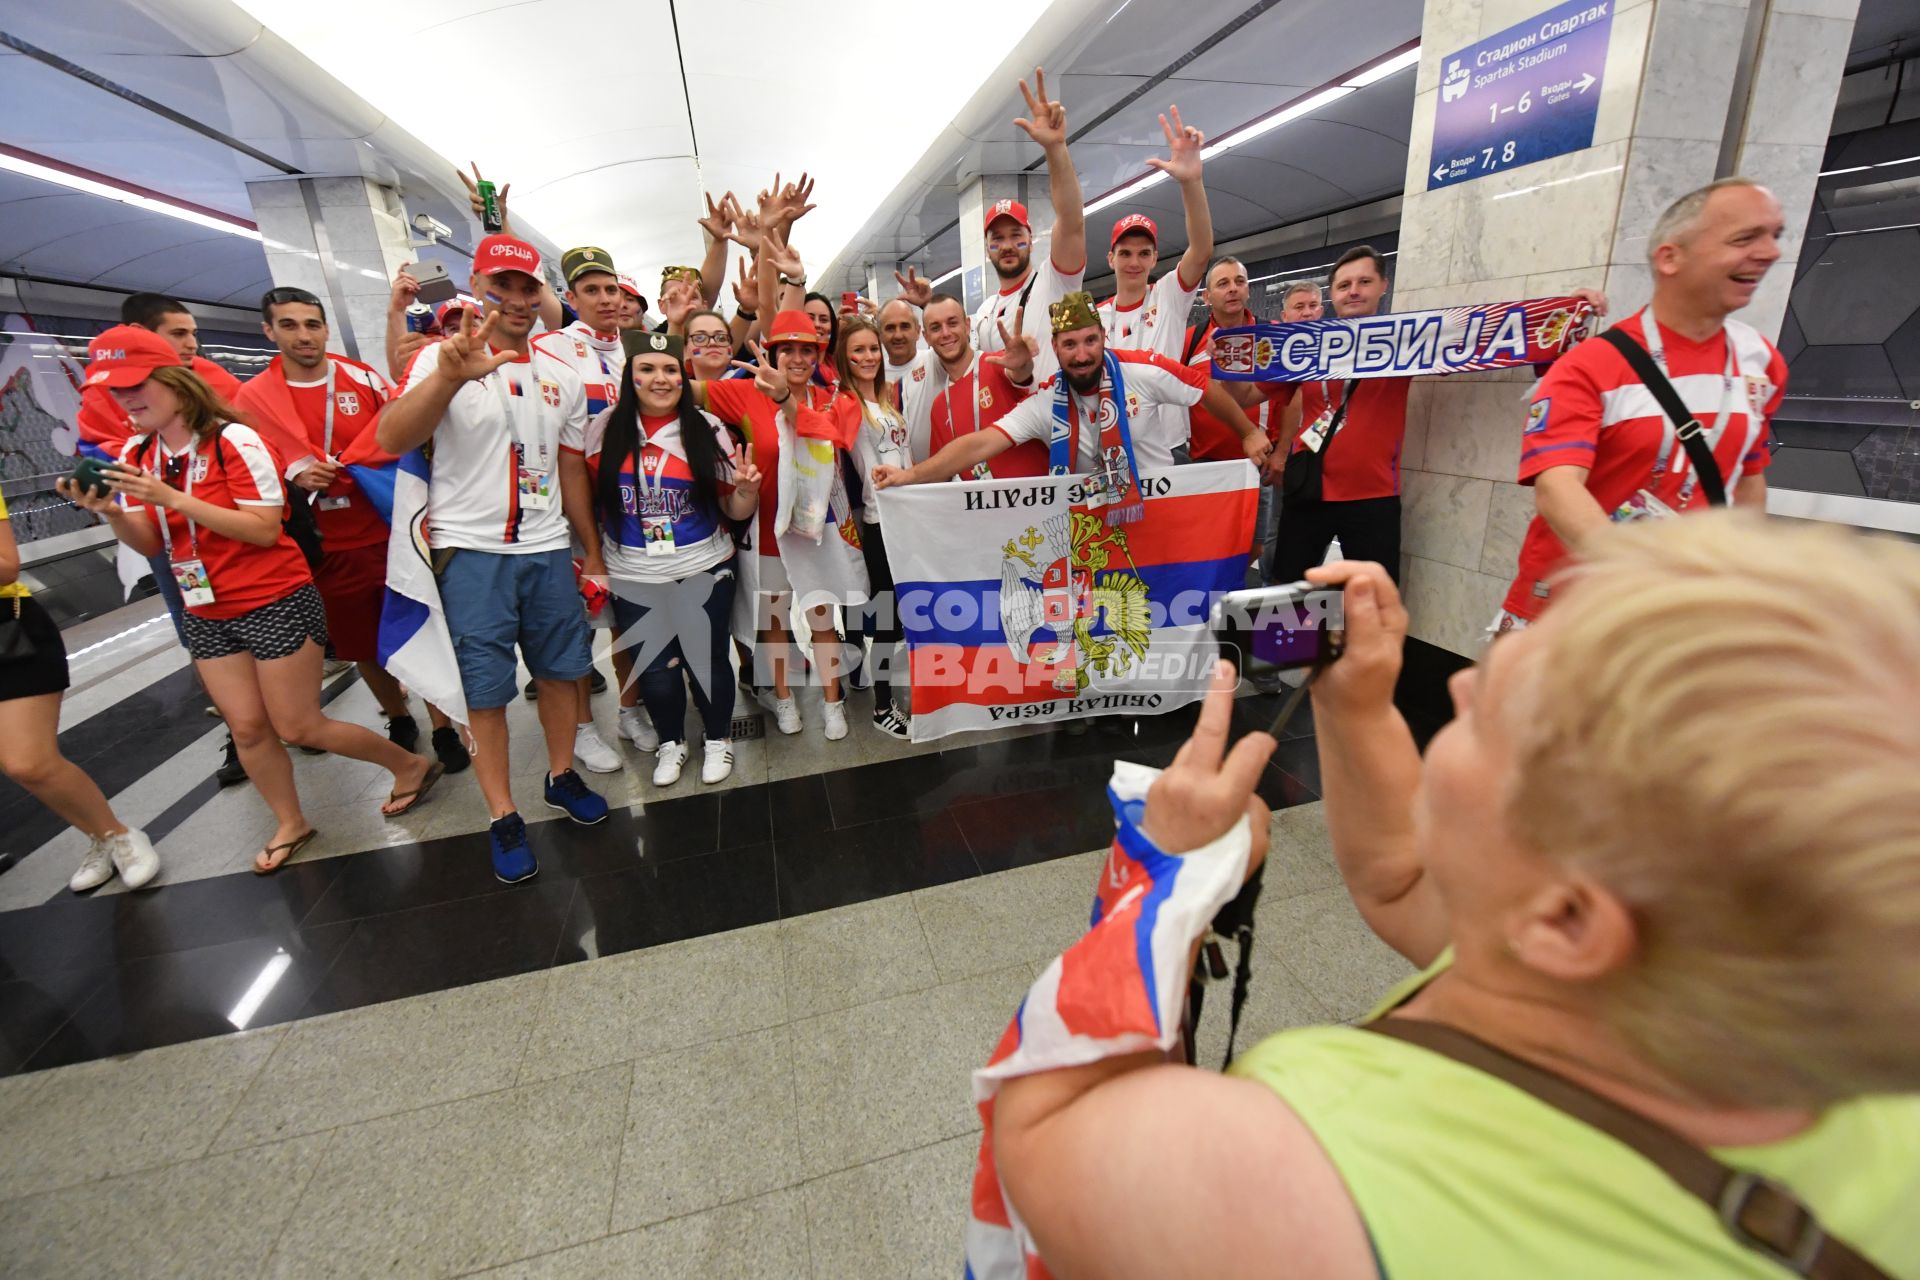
504	253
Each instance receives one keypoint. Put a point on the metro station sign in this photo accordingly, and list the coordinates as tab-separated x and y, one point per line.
1525	94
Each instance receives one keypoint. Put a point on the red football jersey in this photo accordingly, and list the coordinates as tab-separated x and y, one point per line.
359	392
979	398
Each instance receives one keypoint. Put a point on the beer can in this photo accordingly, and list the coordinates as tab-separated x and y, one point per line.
489	206
419	318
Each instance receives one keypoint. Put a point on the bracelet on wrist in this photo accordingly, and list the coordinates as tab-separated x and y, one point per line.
786	397
744	314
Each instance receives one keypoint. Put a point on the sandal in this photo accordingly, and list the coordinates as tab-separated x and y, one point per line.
435	772
286	852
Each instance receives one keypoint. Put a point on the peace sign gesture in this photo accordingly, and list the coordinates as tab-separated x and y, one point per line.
1018	351
1046	120
767	379
1207	788
1184	143
478	205
465	356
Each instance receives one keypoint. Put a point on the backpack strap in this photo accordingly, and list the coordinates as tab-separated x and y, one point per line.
1692	434
1761	1214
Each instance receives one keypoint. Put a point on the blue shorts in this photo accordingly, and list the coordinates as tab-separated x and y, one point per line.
495	601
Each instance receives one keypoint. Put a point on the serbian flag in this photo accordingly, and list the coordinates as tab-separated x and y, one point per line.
415	646
1121	989
1021	604
1403	344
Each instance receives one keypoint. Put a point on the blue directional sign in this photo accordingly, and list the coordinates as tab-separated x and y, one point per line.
1528	93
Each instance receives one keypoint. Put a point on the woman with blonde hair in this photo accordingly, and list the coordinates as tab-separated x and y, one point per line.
1662	876
203	487
868	412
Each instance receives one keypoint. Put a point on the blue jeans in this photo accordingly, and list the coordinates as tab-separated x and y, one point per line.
663	687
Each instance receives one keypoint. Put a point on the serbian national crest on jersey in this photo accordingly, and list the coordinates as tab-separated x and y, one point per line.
550	392
348	402
579	348
919	373
1071	598
1759	390
986	397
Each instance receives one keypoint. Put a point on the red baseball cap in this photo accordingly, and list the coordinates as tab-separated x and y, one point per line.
793	326
126	356
451	305
626	282
504	253
1007	209
1135	222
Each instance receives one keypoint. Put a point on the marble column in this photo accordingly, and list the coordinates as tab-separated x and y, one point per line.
977	278
1682	102
341	239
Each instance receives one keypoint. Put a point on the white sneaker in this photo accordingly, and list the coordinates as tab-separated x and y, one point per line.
717	765
591	750
637	727
133	857
890	722
667	764
786	715
836	720
767	699
96	868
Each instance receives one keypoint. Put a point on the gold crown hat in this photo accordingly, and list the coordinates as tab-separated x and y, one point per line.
669	274
1075	311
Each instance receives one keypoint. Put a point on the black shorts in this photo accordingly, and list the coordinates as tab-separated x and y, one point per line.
46	671
272	631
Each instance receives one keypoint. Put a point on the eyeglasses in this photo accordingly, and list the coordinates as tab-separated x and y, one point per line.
709	339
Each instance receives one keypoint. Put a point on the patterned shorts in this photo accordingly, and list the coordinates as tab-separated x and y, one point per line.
272	631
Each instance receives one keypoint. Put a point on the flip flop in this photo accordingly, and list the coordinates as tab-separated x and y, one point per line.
290	848
415	797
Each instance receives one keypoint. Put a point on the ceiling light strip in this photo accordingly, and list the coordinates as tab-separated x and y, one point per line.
86	181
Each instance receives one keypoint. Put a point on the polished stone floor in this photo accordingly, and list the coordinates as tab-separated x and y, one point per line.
726	1033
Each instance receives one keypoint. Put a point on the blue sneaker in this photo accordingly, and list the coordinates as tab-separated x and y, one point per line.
570	796
513	861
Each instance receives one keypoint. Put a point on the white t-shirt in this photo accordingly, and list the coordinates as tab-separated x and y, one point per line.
920	381
1159	325
1147	385
473	495
596	357
1050	284
882	441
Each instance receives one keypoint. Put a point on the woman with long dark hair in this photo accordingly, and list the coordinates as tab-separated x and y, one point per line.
202	486
665	486
869	417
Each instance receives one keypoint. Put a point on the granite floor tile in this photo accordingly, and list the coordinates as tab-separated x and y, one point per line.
760	1239
1298	858
653	1001
350	1067
1322	940
851	955
123	1115
205	1218
33	1009
889	1076
1276	1000
820	869
707	1126
1028	913
903	1217
461	1186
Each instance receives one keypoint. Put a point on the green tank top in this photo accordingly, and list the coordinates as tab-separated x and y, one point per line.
1458	1174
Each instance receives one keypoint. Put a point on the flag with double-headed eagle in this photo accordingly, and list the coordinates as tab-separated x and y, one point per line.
1021	604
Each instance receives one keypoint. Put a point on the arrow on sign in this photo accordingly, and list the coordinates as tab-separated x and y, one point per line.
1586	81
1440	173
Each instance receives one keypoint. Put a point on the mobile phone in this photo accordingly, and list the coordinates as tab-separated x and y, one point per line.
435	284
90	476
850	301
1280	628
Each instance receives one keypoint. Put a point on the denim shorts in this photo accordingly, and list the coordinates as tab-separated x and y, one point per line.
494	602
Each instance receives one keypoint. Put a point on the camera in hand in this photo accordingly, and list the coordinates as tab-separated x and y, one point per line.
90	477
1280	628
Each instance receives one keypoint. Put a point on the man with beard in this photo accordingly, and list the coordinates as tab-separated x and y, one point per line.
494	408
335	401
1096	385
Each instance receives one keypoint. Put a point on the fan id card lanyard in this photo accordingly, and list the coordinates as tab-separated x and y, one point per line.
331	502
196	585
657	529
1644	504
533	447
1316	434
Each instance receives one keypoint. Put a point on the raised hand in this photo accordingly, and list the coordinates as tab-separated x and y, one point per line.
479	206
784	259
1184	143
1046	120
410	344
405	289
676	300
465	356
794	199
747	229
767	378
914	287
1208	789
746	290
1018	350
719	220
747	478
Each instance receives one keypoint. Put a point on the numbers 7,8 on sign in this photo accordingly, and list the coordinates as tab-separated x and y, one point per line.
1506	155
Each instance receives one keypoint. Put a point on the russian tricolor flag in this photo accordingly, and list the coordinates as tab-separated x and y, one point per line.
1018	605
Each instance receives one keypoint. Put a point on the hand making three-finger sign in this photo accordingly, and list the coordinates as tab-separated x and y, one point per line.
466	356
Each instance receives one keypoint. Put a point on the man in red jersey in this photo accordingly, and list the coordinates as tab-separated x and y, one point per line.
1597	447
975	393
